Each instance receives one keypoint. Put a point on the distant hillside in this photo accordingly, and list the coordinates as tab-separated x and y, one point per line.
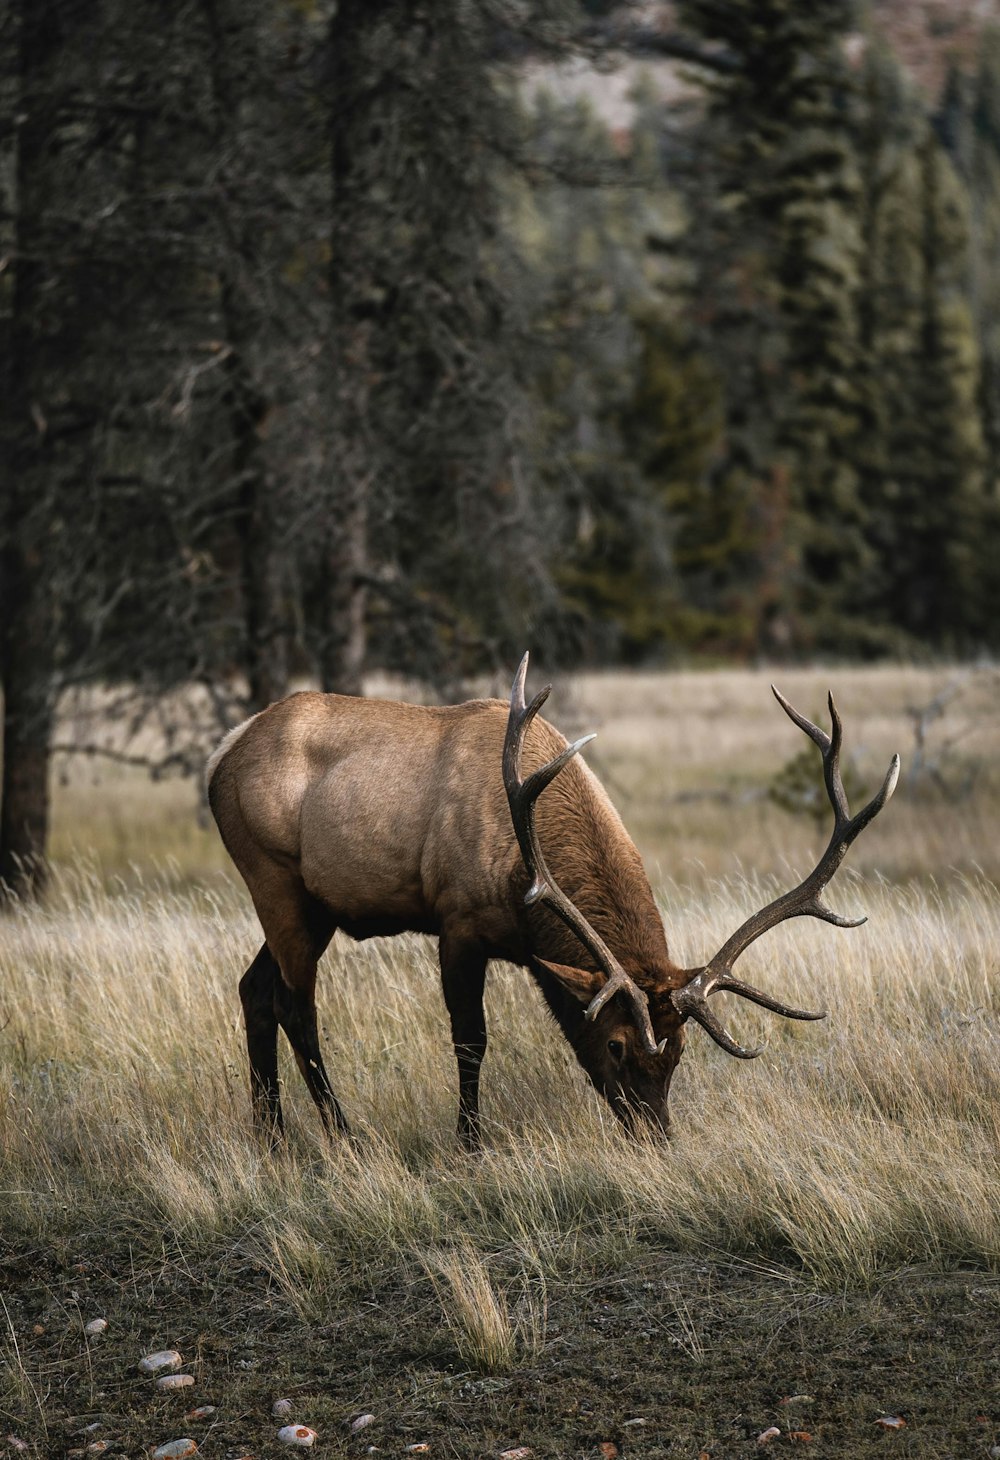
927	34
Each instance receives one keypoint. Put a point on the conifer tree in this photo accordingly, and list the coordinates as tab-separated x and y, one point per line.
969	124
923	463
939	452
776	245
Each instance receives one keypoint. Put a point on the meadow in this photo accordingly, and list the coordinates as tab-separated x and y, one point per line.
817	1250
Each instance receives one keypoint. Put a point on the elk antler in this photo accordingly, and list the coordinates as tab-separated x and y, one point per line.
690	1001
522	795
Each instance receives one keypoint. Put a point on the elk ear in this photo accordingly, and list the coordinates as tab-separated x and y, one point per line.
576	981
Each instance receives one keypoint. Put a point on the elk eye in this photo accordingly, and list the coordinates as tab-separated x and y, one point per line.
616	1048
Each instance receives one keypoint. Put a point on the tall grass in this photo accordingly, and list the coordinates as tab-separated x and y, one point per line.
865	1142
871	1139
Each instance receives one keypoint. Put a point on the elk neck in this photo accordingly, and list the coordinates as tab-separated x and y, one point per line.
596	864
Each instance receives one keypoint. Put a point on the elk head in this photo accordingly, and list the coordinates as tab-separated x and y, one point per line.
632	1032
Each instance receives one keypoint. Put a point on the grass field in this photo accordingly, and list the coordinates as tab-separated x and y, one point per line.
817	1249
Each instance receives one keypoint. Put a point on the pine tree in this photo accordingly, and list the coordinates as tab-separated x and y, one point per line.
922	468
585	224
776	245
939	450
888	124
970	126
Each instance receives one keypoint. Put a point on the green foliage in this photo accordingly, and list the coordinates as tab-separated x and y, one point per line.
798	788
850	503
777	266
730	384
928	501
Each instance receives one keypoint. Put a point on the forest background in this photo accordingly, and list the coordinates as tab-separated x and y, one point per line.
344	337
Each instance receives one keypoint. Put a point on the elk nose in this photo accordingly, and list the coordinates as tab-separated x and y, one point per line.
656	1119
643	1121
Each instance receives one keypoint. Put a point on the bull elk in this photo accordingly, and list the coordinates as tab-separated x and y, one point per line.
379	817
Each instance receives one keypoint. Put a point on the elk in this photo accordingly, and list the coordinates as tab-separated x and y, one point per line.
378	817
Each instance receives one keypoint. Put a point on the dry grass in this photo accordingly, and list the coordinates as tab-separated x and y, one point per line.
688	758
851	1148
868	1141
689	755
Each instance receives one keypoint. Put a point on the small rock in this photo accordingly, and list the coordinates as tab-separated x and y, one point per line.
281	1408
16	1443
521	1453
803	1436
202	1412
175	1450
95	1327
90	1429
766	1436
298	1436
38	1329
175	1381
609	1450
420	1448
158	1363
629	1424
891	1422
995	1452
362	1422
799	1399
97	1447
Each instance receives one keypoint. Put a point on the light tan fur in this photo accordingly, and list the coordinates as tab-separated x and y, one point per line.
396	813
224	745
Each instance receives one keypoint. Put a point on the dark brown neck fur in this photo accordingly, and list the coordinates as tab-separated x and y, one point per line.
596	864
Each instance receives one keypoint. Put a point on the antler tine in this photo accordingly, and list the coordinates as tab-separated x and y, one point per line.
703	1015
521	796
731	985
829	746
813	731
803	901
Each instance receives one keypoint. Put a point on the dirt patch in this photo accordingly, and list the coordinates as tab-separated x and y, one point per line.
708	1355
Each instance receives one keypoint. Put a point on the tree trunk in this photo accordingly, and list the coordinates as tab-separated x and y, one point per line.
342	597
341	648
27	579
266	643
261	565
27	724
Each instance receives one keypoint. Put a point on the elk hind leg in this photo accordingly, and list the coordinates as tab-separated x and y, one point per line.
463	979
298	944
257	995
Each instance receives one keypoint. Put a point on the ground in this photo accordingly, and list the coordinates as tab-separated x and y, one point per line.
755	1348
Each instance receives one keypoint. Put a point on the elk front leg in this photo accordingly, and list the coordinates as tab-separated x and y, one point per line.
257	991
463	977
